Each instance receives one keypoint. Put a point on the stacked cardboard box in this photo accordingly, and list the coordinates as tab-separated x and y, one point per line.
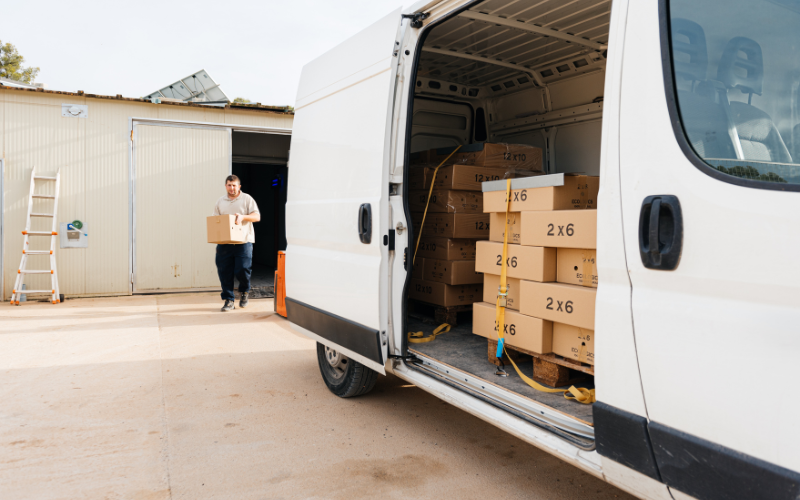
444	272
551	266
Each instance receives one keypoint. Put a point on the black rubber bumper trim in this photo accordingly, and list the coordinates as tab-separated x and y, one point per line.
622	437
341	331
695	466
709	471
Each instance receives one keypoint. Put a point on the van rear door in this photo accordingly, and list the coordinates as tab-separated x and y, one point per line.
337	210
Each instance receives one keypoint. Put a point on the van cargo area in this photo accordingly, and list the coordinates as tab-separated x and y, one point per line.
526	77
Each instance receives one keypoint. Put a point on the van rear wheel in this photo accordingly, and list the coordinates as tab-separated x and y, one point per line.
343	376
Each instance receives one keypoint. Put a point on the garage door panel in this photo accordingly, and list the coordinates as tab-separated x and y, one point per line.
178	175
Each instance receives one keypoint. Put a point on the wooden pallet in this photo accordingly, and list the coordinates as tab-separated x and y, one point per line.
549	369
441	314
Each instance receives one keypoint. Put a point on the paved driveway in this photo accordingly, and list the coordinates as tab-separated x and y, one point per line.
155	397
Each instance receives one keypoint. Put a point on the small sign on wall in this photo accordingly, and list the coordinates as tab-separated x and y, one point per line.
73	234
74	110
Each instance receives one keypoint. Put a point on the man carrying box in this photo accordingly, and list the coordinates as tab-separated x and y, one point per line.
236	260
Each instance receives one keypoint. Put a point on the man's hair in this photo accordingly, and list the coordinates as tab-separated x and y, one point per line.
232	178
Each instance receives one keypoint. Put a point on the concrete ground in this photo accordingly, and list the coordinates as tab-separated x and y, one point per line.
155	397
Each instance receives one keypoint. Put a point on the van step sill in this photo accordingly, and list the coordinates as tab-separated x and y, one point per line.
532	409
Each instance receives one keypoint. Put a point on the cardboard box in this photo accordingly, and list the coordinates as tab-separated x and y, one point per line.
422	157
525	332
489	154
491	285
441	294
568	304
446	249
452	272
474	226
560	229
446	201
498	225
418	268
463	177
578	192
573	343
417	176
573	264
527	263
222	230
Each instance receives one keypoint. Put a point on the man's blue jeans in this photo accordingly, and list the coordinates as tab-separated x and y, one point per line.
234	261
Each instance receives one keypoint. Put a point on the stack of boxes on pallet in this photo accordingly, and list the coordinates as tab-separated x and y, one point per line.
444	273
551	266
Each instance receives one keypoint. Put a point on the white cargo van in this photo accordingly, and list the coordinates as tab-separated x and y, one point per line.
689	111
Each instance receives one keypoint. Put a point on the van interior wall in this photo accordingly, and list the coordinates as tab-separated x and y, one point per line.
570	145
257	181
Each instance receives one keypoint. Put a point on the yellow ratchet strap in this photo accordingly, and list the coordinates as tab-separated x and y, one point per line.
419	338
581	395
425	213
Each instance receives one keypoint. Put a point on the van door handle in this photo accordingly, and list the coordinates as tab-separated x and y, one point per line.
365	223
661	232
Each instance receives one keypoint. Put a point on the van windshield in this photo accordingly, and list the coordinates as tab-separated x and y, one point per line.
736	65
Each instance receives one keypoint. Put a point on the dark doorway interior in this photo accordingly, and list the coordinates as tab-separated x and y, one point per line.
259	160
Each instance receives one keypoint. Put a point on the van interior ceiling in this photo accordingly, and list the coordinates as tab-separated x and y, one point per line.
260	162
518	72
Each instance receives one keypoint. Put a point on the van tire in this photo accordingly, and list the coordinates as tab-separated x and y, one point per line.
344	377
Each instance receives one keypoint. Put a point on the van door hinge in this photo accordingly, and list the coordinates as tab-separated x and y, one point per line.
417	18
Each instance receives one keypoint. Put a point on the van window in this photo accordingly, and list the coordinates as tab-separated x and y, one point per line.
736	71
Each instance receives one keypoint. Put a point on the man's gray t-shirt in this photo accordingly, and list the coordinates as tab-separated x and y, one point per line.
244	204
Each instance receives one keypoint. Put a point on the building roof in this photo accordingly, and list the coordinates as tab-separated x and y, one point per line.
7	82
255	107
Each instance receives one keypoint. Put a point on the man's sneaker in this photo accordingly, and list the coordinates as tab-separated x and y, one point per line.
243	300
228	306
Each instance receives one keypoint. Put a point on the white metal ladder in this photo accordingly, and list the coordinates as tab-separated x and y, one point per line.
53	234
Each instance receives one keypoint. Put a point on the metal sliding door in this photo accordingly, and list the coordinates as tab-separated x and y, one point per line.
178	174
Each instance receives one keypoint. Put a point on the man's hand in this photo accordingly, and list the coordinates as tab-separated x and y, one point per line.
254	217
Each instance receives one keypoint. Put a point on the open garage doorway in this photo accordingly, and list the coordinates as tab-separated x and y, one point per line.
260	161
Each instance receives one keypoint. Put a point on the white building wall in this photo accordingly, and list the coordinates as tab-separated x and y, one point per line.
94	157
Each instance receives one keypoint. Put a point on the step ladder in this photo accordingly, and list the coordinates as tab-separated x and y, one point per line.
53	234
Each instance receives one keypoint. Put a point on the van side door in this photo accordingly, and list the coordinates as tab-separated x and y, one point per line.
337	201
710	196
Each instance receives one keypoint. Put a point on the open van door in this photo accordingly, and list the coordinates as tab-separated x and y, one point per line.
709	198
337	211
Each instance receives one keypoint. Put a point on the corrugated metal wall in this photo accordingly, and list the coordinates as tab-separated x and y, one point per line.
93	155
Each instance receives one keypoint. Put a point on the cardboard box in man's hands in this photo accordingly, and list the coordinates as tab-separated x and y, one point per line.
222	229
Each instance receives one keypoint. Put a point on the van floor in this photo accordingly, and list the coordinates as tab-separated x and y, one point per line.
462	349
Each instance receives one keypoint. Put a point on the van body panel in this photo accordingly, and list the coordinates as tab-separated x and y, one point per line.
361	56
618	383
730	310
339	164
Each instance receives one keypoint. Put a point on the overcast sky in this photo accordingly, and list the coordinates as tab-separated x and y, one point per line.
253	49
